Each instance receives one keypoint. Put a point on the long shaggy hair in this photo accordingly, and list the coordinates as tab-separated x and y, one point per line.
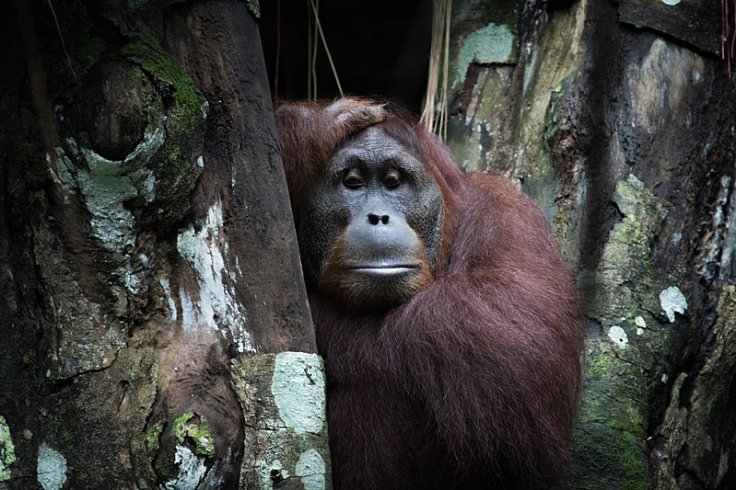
472	382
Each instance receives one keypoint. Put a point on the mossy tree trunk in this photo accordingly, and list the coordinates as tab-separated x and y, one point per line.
151	302
625	135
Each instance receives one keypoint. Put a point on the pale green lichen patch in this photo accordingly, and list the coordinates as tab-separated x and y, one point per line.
626	283
7	450
618	336
672	301
492	44
192	473
284	454
299	391
283	402
193	429
51	468
311	469
641	324
107	184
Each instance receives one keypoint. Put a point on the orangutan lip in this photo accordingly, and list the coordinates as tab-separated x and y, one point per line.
384	269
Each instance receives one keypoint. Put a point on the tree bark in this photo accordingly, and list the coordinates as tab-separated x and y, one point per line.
146	244
625	137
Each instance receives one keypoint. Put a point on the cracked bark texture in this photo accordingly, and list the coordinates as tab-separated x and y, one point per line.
146	247
618	118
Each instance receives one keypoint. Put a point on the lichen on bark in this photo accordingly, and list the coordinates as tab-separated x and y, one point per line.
99	363
687	436
626	351
7	450
283	401
625	138
194	429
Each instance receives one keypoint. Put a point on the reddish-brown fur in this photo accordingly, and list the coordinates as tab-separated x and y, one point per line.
473	382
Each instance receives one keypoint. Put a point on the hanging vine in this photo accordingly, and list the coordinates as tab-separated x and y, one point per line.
434	111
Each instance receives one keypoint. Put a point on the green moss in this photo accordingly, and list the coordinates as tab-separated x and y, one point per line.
556	96
611	440
145	450
182	112
29	359
66	439
7	450
174	156
632	459
88	48
613	458
193	428
610	448
540	183
149	54
254	7
152	438
181	420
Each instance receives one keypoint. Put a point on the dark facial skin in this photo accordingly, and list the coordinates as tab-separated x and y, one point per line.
372	224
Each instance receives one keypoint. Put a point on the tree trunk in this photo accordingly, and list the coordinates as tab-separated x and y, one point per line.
151	298
625	136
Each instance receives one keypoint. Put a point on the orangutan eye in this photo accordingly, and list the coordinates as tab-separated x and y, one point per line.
392	180
353	180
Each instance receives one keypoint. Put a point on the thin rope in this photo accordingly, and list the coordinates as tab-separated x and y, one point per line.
434	113
61	38
313	55
327	50
445	73
428	110
309	56
728	40
278	51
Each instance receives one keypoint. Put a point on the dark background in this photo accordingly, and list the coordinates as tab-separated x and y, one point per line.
379	48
